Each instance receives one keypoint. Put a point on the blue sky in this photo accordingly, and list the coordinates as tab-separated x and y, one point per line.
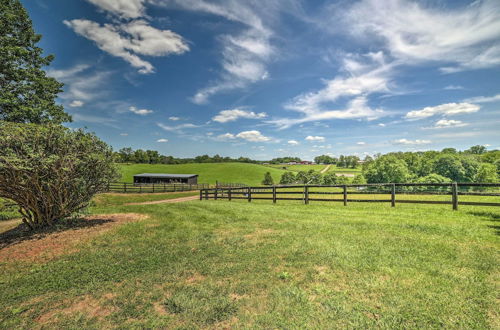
269	78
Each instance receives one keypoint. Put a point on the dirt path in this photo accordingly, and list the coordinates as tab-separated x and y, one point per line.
174	200
325	169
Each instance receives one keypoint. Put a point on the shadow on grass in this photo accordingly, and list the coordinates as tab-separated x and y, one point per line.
490	216
23	233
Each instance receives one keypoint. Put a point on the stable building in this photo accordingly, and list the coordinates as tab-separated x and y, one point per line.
150	178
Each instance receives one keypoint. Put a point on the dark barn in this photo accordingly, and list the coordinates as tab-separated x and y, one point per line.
165	178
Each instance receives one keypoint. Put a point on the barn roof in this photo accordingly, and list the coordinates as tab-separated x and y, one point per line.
165	175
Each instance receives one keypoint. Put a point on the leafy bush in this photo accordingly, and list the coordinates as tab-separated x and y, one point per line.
287	178
268	179
330	178
50	171
387	169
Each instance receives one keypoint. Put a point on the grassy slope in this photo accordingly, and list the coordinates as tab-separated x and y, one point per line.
251	174
219	264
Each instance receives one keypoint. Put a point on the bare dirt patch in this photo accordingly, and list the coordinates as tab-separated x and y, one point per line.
18	244
87	306
173	200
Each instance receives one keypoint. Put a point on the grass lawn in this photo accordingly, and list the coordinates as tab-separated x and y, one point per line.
251	174
235	264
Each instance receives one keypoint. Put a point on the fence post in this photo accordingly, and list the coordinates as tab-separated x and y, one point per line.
393	195
124	187
249	194
216	191
344	187
306	195
274	194
454	196
201	194
229	194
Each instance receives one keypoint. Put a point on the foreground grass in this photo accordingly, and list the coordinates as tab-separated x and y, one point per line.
237	264
250	174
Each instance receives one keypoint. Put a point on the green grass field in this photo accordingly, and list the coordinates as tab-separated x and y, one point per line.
219	264
251	174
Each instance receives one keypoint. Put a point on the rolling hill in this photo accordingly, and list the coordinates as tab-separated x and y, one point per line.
251	174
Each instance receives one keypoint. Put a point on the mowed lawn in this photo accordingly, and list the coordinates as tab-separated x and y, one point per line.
220	264
250	174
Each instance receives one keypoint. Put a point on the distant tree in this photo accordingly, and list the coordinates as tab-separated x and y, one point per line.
431	178
27	94
51	171
449	151
309	177
387	169
449	166
476	150
268	179
359	179
330	178
342	179
487	173
287	178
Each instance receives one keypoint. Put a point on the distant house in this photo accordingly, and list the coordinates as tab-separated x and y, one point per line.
146	178
306	162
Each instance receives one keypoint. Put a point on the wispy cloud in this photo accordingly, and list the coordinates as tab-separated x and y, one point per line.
411	142
162	140
315	138
453	87
293	142
76	104
178	128
232	115
447	109
141	112
444	123
483	99
253	136
122	8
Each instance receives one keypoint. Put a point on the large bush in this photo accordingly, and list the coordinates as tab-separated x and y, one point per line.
51	171
387	169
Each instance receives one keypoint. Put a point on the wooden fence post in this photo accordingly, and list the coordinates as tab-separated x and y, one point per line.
345	194
454	196
229	194
306	195
201	194
393	195
249	194
274	194
124	187
216	191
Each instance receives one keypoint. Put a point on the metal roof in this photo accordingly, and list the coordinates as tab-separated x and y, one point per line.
164	175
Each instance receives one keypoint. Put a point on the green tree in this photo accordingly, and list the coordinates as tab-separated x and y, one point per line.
268	179
476	150
342	179
487	173
51	171
449	166
287	178
387	169
330	178
27	94
359	179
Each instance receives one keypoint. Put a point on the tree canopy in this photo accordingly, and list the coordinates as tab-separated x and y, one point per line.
27	94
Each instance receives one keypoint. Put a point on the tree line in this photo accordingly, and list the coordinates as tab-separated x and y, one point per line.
139	156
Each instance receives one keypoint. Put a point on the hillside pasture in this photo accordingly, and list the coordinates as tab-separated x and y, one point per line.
220	264
250	174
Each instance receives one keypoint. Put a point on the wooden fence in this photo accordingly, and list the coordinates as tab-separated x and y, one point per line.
126	187
320	193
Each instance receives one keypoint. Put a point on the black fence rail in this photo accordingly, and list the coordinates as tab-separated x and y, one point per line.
126	187
353	192
219	184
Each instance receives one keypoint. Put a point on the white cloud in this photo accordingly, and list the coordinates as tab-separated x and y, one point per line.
453	87
361	143
174	118
122	8
177	129
465	37
444	123
162	140
80	83
483	99
447	109
232	115
123	134
315	138
253	136
128	40
293	142
381	124
411	142
76	104
141	112
225	137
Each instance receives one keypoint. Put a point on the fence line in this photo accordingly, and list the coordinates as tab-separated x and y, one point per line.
127	187
392	189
